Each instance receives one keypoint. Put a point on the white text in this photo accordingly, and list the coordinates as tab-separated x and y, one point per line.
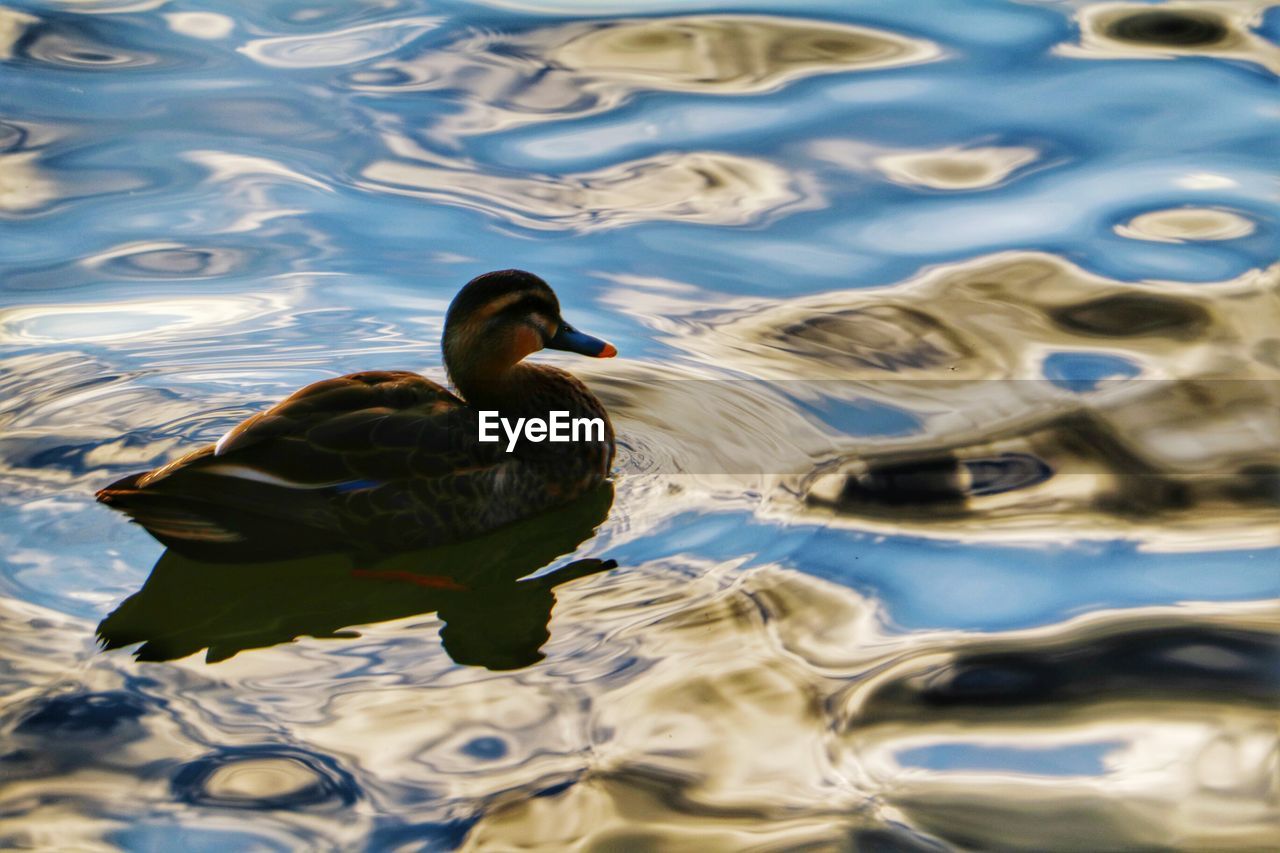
558	427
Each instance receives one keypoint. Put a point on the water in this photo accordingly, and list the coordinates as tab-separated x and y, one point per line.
947	503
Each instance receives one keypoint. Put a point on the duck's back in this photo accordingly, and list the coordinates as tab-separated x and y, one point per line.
388	460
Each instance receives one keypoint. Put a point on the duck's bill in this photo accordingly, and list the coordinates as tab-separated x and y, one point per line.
569	339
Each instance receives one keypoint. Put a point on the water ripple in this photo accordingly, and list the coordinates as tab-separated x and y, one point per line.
24	185
79	43
265	777
1187	223
1110	30
695	187
725	53
955	169
350	46
582	69
949	485
975	439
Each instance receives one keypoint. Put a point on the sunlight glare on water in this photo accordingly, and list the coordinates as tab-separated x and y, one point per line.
947	507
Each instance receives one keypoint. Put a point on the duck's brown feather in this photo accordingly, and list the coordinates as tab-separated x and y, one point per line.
384	458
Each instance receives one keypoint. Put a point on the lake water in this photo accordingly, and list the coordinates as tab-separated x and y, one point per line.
947	511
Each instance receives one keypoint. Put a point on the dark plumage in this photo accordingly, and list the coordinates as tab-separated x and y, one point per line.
390	460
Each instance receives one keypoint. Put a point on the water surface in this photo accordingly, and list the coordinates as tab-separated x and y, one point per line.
947	511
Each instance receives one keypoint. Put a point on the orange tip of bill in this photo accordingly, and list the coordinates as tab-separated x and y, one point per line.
609	351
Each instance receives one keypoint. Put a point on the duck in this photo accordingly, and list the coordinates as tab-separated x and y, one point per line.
388	460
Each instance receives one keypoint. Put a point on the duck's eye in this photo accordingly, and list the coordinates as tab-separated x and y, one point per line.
545	325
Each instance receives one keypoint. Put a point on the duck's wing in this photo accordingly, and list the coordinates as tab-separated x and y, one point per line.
328	457
372	425
370	396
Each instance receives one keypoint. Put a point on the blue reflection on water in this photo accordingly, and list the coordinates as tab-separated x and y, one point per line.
1085	371
1079	760
927	583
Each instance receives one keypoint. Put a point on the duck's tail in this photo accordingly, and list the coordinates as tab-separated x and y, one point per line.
208	528
166	516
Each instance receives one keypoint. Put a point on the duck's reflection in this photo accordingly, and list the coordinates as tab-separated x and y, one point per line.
491	617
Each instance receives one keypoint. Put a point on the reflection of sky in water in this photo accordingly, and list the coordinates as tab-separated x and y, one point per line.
929	584
1076	760
203	209
1084	371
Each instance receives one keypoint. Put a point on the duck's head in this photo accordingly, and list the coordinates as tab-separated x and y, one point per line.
499	318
